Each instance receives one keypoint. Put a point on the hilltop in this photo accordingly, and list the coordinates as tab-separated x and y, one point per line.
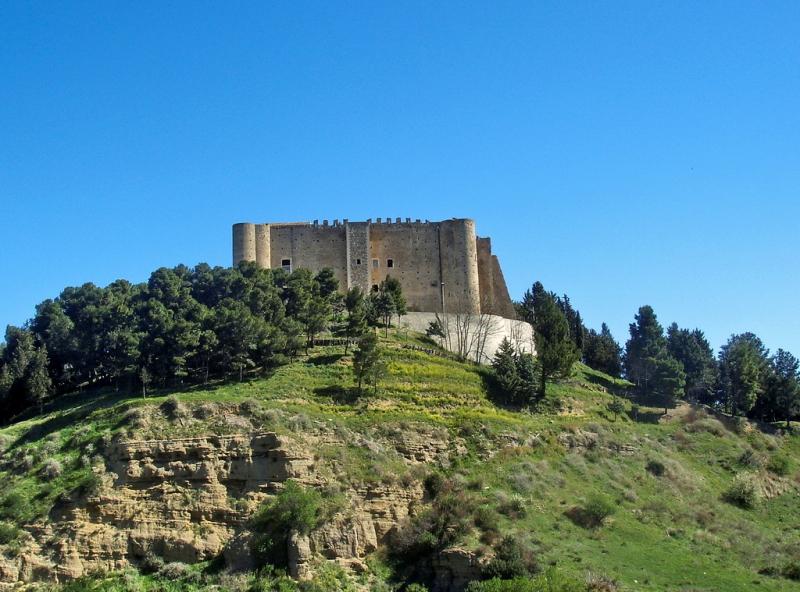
427	479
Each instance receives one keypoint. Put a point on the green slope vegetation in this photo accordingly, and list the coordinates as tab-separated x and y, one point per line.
685	502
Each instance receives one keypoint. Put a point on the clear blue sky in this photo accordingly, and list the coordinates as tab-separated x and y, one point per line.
626	153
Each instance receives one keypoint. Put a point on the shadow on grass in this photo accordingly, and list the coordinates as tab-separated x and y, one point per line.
612	387
71	416
325	359
645	416
341	395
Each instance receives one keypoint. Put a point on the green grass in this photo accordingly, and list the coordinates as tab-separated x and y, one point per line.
674	531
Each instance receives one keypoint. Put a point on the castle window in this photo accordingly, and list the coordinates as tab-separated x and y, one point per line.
358	261
390	263
286	264
376	263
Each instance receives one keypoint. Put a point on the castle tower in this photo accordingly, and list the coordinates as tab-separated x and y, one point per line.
459	266
441	266
244	242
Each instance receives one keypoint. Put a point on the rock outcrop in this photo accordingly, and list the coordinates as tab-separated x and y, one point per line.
189	500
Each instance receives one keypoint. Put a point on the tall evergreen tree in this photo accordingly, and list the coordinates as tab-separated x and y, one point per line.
645	345
743	364
602	352
667	381
37	379
658	376
392	287
782	391
692	350
504	366
555	350
368	366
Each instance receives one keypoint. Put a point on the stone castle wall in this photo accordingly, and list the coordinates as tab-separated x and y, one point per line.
442	266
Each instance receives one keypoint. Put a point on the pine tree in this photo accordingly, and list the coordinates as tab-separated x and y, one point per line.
556	353
368	366
37	380
645	345
528	373
505	370
356	324
783	386
692	349
392	287
667	381
602	352
743	364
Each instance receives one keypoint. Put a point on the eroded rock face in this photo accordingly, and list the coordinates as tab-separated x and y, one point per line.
455	568
189	500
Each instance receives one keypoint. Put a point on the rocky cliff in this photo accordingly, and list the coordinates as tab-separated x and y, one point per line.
189	500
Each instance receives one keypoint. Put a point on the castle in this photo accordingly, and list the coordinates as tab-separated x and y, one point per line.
441	266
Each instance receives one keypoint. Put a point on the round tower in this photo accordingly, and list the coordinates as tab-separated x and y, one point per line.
244	242
459	255
262	246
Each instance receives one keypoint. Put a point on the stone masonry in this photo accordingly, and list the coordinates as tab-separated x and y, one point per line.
442	266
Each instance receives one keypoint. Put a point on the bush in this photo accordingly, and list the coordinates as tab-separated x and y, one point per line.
293	509
14	507
151	563
744	491
751	459
448	519
780	465
434	483
708	424
173	408
8	533
655	467
593	513
513	507
486	519
550	581
791	571
52	469
511	560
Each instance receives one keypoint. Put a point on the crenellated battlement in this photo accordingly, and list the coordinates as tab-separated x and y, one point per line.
442	265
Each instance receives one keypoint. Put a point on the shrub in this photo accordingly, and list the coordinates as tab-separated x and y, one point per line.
550	581
487	519
293	509
434	483
513	507
708	424
511	560
14	507
173	408
655	467
751	459
593	513
416	588
52	469
447	520
151	563
791	570
600	583
8	533
780	464
173	571
744	491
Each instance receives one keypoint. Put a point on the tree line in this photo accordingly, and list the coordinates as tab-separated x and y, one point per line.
183	326
664	366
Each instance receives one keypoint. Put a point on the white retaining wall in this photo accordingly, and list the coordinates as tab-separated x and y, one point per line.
476	336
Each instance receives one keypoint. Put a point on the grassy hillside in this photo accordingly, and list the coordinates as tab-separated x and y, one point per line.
653	503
